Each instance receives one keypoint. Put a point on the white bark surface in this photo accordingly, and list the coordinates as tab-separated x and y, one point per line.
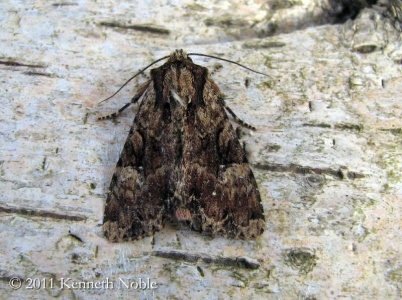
326	153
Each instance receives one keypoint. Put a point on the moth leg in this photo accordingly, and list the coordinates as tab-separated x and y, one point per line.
236	118
145	76
136	97
217	67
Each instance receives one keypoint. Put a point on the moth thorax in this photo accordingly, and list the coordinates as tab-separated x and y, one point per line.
178	99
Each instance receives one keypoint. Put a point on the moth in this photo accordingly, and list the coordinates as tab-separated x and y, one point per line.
182	161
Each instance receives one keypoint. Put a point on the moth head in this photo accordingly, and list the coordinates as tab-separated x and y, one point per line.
178	55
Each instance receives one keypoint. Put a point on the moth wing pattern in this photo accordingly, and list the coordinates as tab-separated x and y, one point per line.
182	160
134	206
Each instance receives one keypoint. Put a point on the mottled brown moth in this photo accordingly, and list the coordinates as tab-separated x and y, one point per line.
182	161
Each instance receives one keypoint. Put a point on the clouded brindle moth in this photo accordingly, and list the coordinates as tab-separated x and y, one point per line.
182	161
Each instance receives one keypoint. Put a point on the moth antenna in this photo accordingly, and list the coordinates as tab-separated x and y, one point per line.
138	73
230	61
